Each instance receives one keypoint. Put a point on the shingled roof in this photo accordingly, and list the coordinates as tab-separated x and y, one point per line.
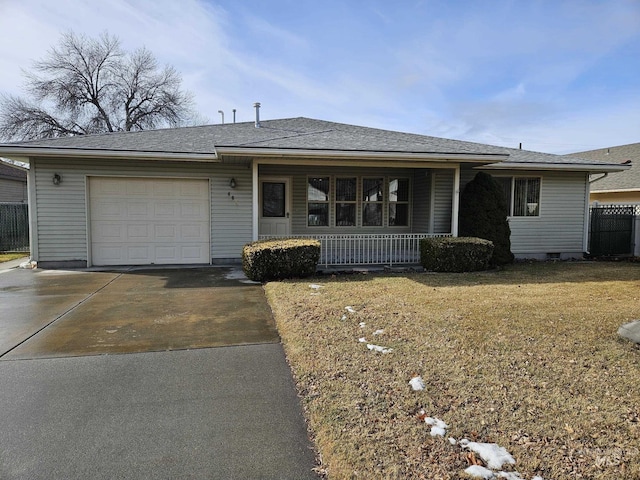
627	180
293	135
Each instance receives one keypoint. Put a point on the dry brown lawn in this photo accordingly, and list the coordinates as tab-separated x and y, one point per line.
6	257
527	357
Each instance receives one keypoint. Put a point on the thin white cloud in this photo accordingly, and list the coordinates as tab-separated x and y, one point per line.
502	74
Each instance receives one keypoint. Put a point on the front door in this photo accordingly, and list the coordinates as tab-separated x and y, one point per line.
275	206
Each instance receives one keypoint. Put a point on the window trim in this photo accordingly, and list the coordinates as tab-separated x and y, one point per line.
327	202
359	201
353	202
409	203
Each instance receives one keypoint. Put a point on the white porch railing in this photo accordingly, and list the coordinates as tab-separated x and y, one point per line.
367	249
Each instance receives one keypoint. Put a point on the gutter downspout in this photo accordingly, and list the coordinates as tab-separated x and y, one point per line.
604	175
32	201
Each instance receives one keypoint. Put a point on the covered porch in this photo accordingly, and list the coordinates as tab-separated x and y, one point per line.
361	214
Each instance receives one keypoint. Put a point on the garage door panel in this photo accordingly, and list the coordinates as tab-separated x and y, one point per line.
110	208
165	209
192	233
138	187
108	232
144	221
139	233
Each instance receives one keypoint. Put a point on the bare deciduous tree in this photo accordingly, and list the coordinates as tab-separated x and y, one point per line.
88	85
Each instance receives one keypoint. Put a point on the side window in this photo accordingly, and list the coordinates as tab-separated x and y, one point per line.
522	195
318	201
526	197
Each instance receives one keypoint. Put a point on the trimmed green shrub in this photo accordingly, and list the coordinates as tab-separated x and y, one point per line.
455	254
483	214
279	259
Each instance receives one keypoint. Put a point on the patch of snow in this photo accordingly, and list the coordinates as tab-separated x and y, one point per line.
344	317
350	309
537	478
378	332
417	383
479	472
493	455
315	286
452	441
438	427
362	324
238	274
362	340
510	475
379	349
29	265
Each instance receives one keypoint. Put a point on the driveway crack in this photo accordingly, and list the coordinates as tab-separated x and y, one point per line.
65	313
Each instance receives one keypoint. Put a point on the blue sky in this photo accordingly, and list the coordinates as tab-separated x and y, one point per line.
558	76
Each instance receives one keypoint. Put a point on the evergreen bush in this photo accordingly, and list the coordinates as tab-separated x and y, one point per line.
455	254
266	260
483	214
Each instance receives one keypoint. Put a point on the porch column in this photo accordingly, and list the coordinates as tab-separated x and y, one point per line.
255	199
455	205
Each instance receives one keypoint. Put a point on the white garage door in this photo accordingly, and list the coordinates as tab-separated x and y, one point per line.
142	221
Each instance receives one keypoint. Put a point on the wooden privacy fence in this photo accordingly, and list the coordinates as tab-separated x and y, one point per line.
14	227
613	230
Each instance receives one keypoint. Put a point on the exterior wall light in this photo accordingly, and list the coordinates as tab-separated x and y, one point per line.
57	179
232	183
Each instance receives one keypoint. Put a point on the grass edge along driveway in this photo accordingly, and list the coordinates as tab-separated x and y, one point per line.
527	358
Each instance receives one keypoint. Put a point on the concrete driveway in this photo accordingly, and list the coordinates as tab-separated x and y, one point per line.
168	408
54	313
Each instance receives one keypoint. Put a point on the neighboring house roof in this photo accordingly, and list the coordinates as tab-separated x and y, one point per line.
628	180
12	172
294	137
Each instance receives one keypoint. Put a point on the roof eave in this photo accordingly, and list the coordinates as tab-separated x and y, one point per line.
579	167
21	153
358	154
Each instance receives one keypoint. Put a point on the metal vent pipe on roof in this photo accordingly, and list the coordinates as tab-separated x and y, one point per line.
257	107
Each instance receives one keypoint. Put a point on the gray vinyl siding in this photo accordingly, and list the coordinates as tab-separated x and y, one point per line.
560	226
421	200
13	191
442	200
62	209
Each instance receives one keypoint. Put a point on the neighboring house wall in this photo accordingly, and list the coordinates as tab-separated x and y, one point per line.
616	187
632	196
560	227
61	211
13	191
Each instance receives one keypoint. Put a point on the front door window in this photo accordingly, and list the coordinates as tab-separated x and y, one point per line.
273	199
